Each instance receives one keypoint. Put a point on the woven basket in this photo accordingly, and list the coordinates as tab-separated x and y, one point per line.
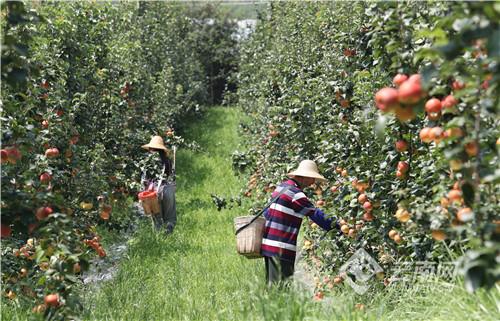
249	240
150	203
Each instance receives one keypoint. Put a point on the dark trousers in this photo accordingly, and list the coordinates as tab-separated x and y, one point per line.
278	270
167	218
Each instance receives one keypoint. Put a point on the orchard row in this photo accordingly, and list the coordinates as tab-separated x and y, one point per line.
84	85
398	103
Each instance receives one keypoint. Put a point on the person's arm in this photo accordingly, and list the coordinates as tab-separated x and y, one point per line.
326	223
266	213
302	205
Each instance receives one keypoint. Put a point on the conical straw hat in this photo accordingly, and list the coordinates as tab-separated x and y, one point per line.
308	168
156	142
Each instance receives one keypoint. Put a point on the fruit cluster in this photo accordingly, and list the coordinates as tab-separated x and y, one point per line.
94	243
403	99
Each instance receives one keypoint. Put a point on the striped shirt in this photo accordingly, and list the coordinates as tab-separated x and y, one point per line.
283	220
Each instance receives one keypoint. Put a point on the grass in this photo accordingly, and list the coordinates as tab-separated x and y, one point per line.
195	273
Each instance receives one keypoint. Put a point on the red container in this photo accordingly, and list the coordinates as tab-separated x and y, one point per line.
149	200
147	195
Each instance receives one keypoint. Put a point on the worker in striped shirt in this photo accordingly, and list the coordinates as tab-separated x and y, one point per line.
284	217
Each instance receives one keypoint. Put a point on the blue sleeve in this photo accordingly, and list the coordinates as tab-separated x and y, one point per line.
326	223
266	214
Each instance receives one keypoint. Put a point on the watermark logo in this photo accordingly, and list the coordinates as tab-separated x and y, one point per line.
359	269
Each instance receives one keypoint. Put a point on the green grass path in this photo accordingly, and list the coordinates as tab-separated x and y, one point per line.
195	273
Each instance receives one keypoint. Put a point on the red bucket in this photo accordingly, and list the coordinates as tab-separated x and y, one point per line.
149	200
144	195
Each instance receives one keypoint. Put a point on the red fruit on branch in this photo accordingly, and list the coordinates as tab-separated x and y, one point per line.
449	102
436	133
416	78
4	156
101	252
52	152
455	195
457	85
465	214
106	211
45	84
472	149
368	216
403	166
399	79
45	124
362	198
433	105
410	92
349	52
52	300
13	154
345	103
5	231
454	132
404	113
367	206
486	83
401	146
318	296
425	135
386	99
43	212
45	178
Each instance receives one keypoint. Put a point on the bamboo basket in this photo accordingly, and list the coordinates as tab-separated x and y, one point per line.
249	240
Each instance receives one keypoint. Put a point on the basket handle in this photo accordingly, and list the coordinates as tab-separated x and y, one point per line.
286	188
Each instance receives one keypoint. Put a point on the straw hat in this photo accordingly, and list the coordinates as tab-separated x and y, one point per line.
308	168
156	142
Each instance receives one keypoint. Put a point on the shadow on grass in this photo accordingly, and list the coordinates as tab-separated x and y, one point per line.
198	203
192	172
201	127
151	243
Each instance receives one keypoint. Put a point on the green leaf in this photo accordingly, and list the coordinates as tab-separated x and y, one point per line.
456	122
451	50
494	44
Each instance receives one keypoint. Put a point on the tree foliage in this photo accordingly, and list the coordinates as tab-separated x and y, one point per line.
309	77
